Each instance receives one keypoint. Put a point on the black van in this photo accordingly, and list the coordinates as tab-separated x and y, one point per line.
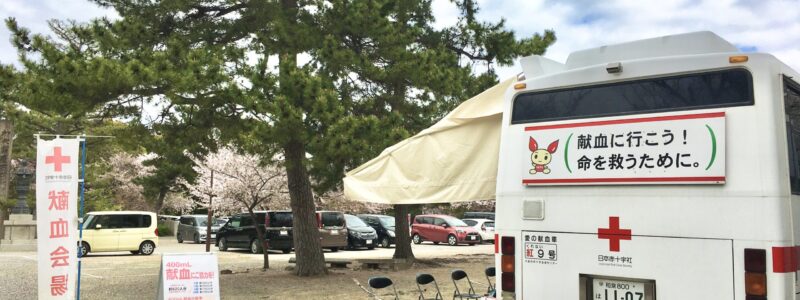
383	225
240	232
479	215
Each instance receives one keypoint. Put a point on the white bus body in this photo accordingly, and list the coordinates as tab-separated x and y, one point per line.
650	233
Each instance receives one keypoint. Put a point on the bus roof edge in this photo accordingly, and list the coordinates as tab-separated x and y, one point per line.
701	42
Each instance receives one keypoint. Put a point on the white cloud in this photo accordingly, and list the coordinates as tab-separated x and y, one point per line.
769	26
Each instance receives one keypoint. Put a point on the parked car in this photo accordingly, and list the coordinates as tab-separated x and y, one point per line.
194	227
485	227
384	227
359	234
443	229
109	231
479	215
240	232
332	230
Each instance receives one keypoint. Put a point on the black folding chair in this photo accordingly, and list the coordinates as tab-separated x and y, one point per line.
458	275
425	279
381	282
489	274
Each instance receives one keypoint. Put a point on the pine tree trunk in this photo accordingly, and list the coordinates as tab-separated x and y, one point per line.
6	140
260	235
307	247
402	248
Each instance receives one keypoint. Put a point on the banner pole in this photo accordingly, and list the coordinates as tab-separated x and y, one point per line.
80	217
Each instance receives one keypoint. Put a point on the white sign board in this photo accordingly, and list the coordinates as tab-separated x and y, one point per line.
676	149
189	276
57	164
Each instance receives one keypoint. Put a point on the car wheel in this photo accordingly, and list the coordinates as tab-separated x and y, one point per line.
84	249
286	251
223	244
451	240
254	247
147	248
196	238
416	239
180	238
385	242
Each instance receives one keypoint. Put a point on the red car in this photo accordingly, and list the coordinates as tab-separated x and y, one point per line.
443	229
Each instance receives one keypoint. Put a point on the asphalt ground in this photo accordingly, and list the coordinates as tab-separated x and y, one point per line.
121	275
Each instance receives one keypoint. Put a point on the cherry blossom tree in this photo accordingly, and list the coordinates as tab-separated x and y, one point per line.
123	170
240	182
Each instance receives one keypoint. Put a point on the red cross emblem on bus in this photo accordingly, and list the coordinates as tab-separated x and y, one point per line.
613	234
56	159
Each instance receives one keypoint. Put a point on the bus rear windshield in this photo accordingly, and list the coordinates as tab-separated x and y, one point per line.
791	95
675	93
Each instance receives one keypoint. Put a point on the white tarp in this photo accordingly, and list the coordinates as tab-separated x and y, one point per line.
56	217
454	160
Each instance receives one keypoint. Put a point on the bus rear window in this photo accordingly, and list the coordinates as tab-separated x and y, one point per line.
675	93
791	103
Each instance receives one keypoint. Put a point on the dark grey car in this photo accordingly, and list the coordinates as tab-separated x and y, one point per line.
193	228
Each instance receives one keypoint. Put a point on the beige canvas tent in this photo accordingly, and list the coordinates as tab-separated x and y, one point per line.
453	160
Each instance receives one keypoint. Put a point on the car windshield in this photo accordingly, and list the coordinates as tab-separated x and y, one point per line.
455	222
387	221
353	221
88	220
203	221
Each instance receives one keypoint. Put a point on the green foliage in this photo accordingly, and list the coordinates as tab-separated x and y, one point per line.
163	230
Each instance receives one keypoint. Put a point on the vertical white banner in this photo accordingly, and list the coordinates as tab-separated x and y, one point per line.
57	163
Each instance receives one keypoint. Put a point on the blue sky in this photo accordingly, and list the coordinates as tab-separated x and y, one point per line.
771	26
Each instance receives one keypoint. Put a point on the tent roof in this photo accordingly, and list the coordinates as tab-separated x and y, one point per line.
453	160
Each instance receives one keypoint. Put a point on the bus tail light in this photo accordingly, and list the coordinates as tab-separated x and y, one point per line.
755	277
507	263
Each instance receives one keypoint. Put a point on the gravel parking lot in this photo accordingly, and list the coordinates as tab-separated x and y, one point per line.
120	275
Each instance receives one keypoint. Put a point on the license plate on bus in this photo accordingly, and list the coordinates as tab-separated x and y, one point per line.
606	289
284	232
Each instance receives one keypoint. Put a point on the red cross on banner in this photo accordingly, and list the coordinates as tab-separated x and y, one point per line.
613	234
57	159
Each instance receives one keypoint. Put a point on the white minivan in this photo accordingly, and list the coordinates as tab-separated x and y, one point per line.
109	231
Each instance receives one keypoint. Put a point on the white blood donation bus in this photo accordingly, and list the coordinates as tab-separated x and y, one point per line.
665	168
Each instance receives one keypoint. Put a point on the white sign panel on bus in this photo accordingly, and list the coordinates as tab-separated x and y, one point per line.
56	217
675	149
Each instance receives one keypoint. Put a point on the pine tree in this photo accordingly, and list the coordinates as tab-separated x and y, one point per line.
324	84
